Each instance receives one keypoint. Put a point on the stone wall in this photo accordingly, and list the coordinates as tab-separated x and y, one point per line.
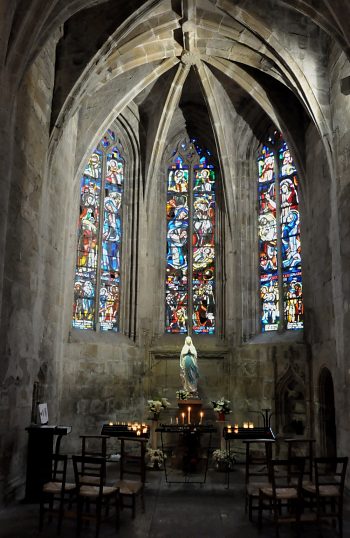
30	296
90	378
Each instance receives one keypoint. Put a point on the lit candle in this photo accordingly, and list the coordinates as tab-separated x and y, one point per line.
235	430
111	423
201	414
138	432
183	418
171	420
189	415
236	426
251	425
177	420
245	424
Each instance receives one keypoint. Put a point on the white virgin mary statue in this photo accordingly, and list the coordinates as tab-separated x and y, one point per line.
189	368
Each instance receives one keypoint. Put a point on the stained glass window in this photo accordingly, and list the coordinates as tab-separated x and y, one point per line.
190	260
279	239
97	274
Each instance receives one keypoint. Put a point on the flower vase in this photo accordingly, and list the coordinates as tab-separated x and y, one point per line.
221	416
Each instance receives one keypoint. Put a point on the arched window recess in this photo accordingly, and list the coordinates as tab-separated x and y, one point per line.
103	227
191	256
279	238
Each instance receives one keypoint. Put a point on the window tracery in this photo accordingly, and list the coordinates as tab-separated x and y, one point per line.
190	260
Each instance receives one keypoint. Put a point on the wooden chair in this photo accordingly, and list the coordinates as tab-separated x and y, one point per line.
56	492
132	463
284	495
93	493
302	447
92	446
327	493
256	473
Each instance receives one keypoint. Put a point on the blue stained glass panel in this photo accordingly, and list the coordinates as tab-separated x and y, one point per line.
270	302
289	235
177	252
87	250
111	243
267	198
190	225
203	251
286	165
268	256
178	180
293	300
204	180
93	298
109	302
93	167
203	287
266	164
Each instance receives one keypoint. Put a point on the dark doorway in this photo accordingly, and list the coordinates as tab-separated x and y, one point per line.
327	414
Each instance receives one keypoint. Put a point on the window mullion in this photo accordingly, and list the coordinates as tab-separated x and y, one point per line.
190	252
100	236
279	242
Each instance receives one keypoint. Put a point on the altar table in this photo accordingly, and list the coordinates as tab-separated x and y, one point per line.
190	434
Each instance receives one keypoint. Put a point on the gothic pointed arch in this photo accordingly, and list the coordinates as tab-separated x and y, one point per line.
105	269
191	257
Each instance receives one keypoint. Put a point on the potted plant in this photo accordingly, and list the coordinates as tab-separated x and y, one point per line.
222	407
182	394
155	406
156	457
224	461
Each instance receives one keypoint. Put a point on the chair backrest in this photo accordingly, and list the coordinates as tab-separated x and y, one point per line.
302	447
287	473
59	468
94	446
97	466
257	460
330	471
133	457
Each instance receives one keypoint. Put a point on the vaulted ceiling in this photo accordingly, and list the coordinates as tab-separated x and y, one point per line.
184	62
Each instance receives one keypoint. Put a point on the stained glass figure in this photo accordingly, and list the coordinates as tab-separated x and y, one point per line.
293	300
99	243
286	165
266	166
287	233
190	214
269	292
177	251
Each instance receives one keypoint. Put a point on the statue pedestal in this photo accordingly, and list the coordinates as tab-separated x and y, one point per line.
194	413
154	434
221	424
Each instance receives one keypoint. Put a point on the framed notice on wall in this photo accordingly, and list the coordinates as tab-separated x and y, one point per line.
43	413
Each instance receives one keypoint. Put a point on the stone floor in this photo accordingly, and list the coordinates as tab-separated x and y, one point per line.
173	511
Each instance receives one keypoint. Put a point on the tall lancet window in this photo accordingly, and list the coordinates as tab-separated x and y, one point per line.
97	273
279	239
190	259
